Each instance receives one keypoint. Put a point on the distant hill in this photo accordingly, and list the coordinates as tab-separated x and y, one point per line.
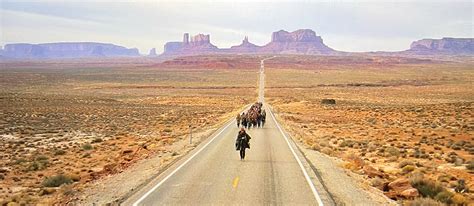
66	50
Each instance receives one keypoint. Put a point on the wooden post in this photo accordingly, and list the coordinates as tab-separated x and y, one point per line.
190	135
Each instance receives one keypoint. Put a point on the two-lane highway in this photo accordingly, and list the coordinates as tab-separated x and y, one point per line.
271	174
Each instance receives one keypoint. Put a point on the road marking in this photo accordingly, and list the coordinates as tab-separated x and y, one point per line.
236	182
184	163
308	179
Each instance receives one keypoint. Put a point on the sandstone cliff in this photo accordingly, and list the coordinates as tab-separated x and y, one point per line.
244	47
303	41
152	53
443	46
198	44
67	50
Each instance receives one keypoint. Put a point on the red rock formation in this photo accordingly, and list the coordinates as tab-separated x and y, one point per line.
186	38
303	41
244	47
199	44
152	53
200	39
67	50
443	46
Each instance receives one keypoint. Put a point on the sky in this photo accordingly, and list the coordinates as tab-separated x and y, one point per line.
344	25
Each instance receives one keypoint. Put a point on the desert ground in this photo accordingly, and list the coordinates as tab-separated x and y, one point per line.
67	124
74	121
395	120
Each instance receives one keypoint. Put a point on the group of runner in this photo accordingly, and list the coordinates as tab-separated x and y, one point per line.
254	117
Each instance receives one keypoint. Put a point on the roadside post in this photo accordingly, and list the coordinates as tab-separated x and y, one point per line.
190	134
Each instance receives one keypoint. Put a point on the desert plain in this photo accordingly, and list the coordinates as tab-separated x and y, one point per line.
65	124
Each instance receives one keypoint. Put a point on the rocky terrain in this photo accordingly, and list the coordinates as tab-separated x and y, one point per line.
65	126
66	50
303	41
407	128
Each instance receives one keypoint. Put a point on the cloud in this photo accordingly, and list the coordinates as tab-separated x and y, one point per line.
344	25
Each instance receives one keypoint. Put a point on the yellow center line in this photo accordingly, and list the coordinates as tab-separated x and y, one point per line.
236	182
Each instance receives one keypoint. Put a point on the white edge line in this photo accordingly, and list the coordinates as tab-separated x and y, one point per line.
174	171
308	179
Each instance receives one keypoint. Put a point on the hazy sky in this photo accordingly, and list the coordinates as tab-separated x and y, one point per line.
343	25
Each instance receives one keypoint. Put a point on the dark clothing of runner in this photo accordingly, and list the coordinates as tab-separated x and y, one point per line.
242	143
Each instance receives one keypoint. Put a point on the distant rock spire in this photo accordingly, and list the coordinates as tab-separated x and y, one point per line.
152	52
246	39
186	38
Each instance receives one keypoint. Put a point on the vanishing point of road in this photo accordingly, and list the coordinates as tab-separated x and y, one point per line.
274	172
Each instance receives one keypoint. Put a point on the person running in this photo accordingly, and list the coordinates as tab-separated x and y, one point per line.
242	143
244	120
238	118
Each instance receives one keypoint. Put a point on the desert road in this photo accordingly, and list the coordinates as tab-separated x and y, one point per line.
273	173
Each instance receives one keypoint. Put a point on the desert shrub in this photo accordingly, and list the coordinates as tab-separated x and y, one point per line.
404	163
59	152
87	147
324	143
328	101
470	165
426	187
347	143
33	166
458	162
444	178
407	169
97	140
41	158
424	202
444	196
315	147
37	165
458	199
74	177
56	181
371	146
326	151
392	151
20	161
376	182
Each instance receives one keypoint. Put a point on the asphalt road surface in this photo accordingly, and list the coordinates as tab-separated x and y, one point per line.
272	173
